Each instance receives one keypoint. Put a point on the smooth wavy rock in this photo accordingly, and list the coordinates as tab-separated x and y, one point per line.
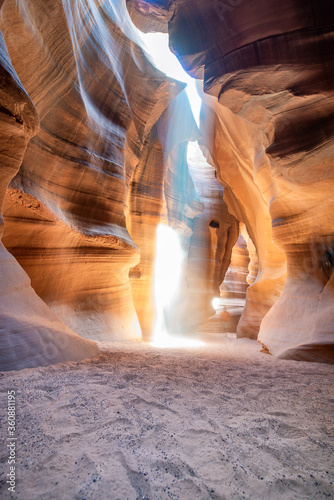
30	333
98	98
236	151
270	67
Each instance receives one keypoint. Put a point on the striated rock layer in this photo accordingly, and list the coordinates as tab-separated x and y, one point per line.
107	165
269	132
79	68
31	335
97	97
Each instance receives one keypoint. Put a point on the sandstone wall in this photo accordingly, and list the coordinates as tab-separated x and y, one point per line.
95	91
269	130
107	164
31	335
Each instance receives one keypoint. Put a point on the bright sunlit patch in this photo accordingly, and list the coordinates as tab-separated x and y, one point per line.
167	273
165	340
215	303
169	254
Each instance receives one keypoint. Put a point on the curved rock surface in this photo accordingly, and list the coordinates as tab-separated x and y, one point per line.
108	164
236	151
31	335
270	66
96	95
93	88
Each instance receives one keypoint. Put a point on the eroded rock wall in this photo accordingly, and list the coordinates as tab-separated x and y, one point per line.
30	334
108	164
95	91
238	154
269	66
215	231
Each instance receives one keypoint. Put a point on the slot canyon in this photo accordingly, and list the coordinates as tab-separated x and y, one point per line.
125	216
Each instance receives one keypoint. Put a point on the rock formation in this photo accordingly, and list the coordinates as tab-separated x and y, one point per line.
97	96
79	68
268	129
242	167
240	273
106	166
31	335
215	231
94	146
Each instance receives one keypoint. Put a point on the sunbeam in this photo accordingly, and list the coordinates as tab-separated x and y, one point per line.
167	273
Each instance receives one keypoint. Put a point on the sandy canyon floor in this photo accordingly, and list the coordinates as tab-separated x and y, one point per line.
218	422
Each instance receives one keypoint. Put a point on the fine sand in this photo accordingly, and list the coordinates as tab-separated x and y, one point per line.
223	421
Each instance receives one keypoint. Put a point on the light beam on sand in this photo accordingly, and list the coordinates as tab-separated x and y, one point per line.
169	254
167	273
215	303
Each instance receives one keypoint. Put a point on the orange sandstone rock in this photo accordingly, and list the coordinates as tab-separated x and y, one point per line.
30	333
269	126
